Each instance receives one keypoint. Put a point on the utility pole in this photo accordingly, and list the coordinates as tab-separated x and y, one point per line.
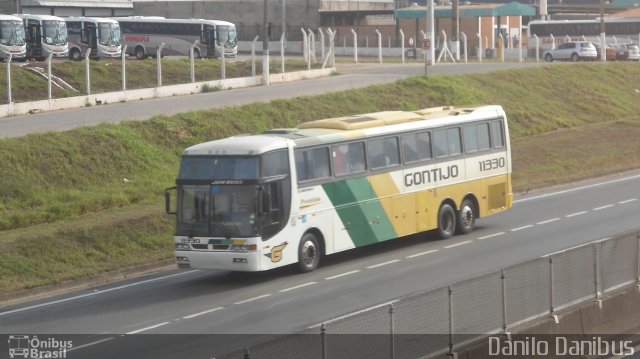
265	46
455	29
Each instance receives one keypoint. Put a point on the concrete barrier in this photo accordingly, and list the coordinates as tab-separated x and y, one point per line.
23	108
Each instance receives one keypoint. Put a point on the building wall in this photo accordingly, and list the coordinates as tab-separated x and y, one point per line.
246	14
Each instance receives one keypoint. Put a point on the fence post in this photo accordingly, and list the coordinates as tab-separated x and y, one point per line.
501	45
159	62
309	37
392	330
123	55
402	44
305	46
464	46
312	45
552	309
537	48
379	46
86	70
553	41
9	56
355	46
192	60
323	340
49	75
253	56
322	49
504	301
282	44
223	64
596	270
479	47
450	319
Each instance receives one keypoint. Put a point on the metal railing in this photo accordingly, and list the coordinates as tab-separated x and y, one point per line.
445	319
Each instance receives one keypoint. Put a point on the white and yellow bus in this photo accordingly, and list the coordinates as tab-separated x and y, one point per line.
253	203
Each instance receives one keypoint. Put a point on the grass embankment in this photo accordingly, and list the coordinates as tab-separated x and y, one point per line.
66	210
106	75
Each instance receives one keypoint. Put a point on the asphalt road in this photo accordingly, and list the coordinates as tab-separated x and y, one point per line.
282	301
351	76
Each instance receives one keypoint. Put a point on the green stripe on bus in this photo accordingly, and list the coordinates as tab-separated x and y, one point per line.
360	211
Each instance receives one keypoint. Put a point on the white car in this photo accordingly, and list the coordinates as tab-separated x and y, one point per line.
574	51
634	51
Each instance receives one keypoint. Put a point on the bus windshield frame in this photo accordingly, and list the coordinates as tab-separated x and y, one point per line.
108	34
12	33
227	36
54	32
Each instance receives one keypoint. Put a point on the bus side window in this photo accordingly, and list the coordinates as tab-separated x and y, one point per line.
497	134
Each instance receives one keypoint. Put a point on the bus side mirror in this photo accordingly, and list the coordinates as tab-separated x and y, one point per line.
167	200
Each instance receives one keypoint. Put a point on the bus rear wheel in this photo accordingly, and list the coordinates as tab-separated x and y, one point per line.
446	221
140	54
466	217
308	253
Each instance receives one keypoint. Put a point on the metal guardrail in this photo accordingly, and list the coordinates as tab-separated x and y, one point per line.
443	320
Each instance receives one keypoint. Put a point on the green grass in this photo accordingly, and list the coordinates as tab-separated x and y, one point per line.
66	210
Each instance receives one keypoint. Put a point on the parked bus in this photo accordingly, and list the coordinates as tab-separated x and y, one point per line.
45	34
101	35
143	36
252	203
12	39
623	29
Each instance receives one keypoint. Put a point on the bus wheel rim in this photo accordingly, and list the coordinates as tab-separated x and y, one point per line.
467	216
308	253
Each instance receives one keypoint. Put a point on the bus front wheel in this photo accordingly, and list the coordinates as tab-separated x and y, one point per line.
466	217
75	55
446	221
308	253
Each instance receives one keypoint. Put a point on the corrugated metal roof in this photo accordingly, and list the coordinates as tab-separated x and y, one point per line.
484	10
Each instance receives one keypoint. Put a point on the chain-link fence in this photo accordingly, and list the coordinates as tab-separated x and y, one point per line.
443	320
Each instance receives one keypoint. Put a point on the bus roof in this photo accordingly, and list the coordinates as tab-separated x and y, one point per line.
91	19
9	17
344	128
40	17
143	19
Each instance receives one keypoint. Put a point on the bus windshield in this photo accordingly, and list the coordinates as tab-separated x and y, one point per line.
219	203
55	32
109	34
12	33
227	36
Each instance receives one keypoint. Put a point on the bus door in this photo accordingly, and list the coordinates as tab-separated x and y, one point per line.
34	39
89	37
209	38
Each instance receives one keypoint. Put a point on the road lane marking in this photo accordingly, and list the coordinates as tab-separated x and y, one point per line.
457	244
521	228
252	299
421	254
603	207
624	179
95	292
628	201
147	328
548	221
90	344
343	274
383	264
491	235
297	286
576	214
203	313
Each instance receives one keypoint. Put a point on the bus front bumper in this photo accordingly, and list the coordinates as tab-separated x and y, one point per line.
229	261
